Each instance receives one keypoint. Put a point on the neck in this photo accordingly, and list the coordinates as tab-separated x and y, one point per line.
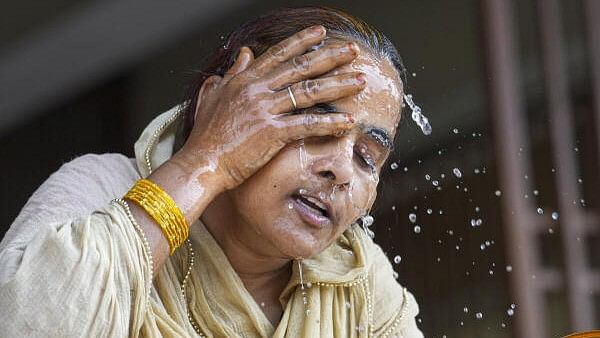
263	274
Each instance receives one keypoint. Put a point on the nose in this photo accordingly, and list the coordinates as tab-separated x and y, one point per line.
335	163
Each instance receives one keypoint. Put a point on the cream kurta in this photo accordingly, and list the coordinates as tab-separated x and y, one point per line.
73	265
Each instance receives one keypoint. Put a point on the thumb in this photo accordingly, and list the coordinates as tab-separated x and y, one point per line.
244	59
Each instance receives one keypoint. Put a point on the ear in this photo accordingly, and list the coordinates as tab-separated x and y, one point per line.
244	59
207	87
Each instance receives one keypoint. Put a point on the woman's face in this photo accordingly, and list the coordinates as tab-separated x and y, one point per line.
311	192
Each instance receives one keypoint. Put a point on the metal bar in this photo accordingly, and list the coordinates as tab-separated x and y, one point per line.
581	308
506	105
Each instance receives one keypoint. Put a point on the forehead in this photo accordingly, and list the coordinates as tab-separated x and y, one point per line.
379	104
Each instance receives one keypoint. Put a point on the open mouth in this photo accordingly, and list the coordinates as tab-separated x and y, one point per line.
311	210
312	203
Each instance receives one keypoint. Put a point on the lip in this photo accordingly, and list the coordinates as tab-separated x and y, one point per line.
308	214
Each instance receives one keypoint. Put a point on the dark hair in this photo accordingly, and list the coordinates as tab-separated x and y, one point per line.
269	29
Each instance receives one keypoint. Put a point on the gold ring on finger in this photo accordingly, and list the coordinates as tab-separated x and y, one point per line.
289	90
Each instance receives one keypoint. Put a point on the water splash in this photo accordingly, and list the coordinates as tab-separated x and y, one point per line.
417	115
302	288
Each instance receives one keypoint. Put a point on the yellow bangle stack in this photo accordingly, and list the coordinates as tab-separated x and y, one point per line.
161	207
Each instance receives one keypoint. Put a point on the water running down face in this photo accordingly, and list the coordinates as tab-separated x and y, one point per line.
312	190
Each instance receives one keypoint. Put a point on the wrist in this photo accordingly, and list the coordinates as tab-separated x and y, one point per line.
189	183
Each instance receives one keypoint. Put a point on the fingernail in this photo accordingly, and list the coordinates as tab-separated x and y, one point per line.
317	30
349	118
352	47
361	78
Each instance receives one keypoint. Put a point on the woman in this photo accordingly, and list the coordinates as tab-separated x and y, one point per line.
244	225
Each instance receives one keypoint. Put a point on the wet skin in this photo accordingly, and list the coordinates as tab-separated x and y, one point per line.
270	218
240	168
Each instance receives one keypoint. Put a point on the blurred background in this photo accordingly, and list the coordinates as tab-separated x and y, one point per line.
492	221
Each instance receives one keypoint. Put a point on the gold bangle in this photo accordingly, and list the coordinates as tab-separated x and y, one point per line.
163	210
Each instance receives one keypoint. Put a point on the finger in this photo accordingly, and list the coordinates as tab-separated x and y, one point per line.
306	125
310	92
207	88
294	45
244	60
312	64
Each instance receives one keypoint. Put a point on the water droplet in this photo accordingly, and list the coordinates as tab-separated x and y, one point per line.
482	246
393	207
555	215
498	193
579	180
262	304
509	268
412	217
513	306
476	222
417	229
476	171
479	315
397	259
510	312
487	243
540	211
491	272
435	183
417	115
550	231
367	220
503	325
414	74
427	177
465	309
290	206
394	166
322	195
455	130
302	191
395	274
429	211
536	192
405	169
457	172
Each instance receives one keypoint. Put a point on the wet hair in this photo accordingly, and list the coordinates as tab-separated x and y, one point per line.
275	26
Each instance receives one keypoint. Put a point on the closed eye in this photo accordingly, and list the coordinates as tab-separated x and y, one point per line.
364	160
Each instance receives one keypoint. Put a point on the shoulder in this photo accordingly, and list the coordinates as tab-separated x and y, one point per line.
94	177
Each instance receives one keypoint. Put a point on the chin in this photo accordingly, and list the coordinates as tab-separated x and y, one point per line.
298	241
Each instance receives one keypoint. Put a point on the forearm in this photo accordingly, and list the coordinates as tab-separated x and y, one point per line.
191	186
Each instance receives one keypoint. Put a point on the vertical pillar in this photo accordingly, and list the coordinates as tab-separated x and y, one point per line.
506	107
562	134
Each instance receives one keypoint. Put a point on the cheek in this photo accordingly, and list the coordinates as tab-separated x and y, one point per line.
360	197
